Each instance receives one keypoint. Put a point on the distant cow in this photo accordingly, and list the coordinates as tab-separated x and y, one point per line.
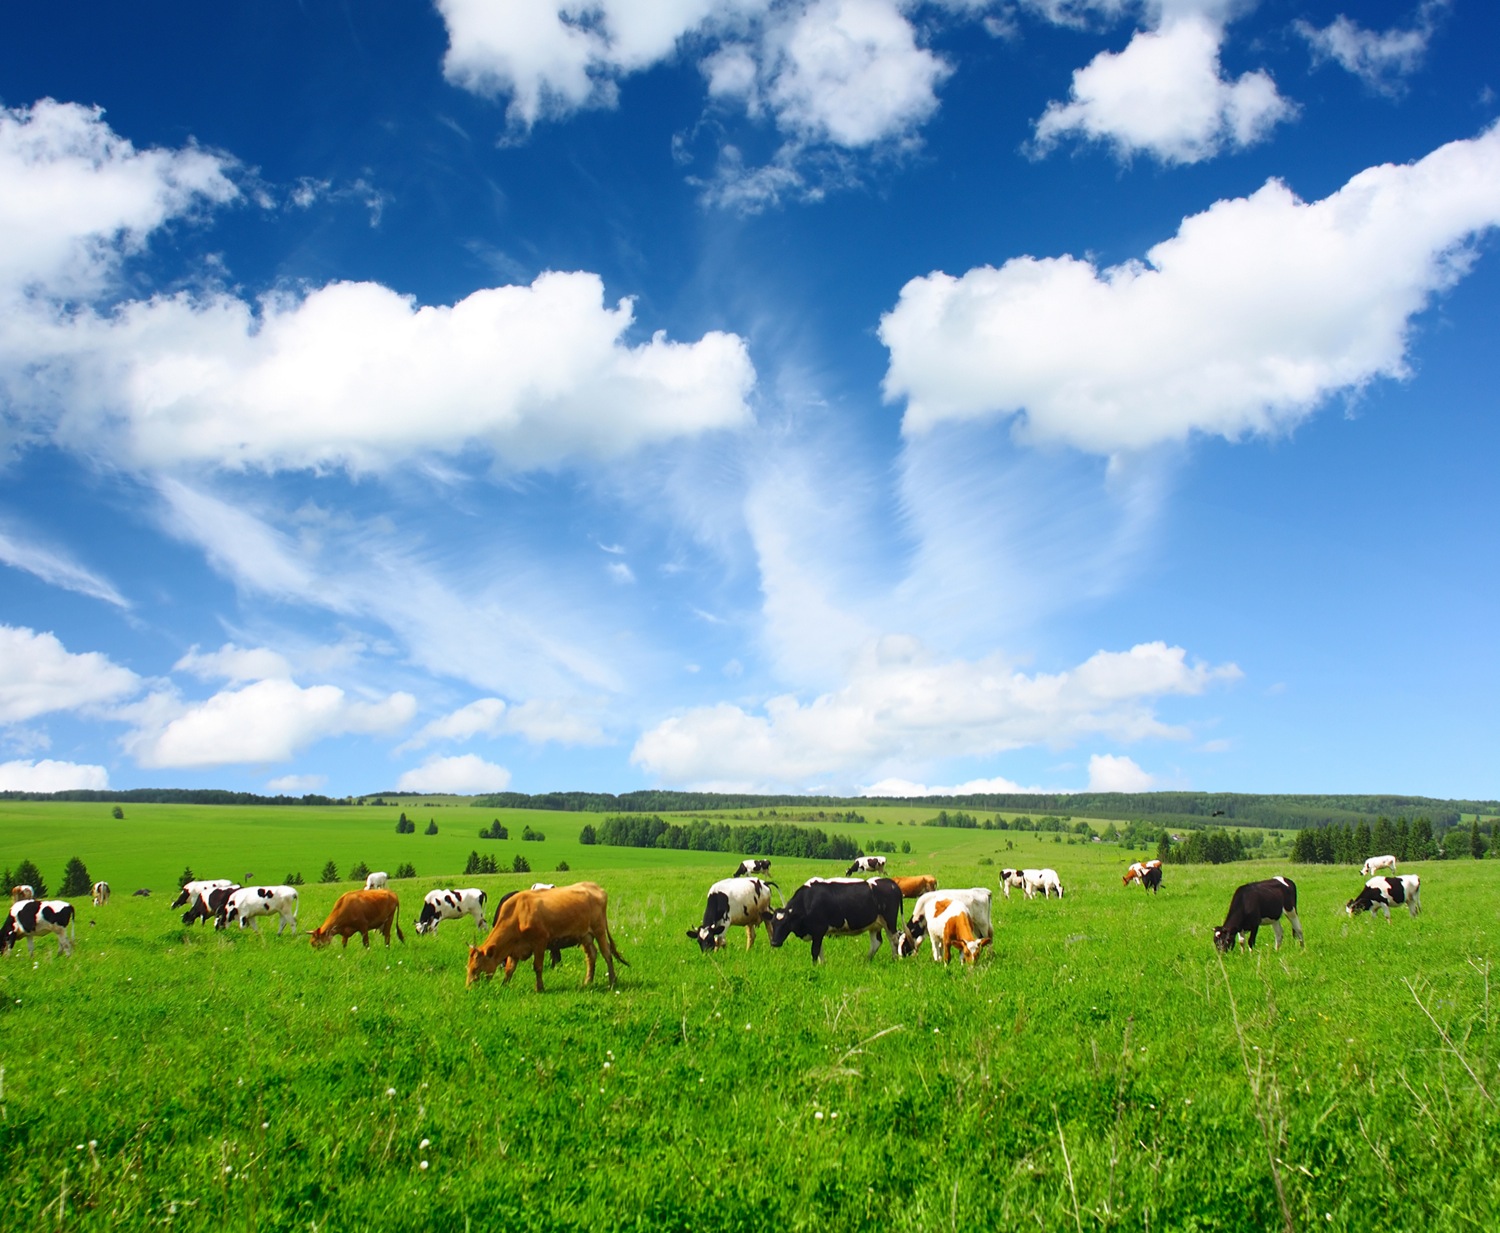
530	923
441	905
540	886
759	864
866	864
144	892
975	902
191	890
1386	892
208	904
733	901
1260	903
1376	863
377	881
100	892
1139	869
1033	882
245	904
827	908
361	912
30	917
911	888
21	892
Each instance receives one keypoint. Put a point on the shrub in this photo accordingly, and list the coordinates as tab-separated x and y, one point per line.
407	870
76	880
28	874
906	846
330	873
587	835
520	864
488	864
562	866
495	830
472	864
117	812
531	836
359	872
431	827
187	876
405	826
294	879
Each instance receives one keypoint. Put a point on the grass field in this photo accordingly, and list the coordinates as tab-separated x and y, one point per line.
1099	1069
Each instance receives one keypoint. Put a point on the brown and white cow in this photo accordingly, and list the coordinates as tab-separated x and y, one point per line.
100	893
912	888
22	891
1139	869
530	923
929	910
361	912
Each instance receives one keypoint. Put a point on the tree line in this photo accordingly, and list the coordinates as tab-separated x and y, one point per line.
1416	840
701	835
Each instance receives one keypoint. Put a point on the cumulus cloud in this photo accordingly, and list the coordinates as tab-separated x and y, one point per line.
537	720
1255	312
50	776
1382	59
234	664
267	721
902	704
462	775
1166	95
974	787
1117	773
296	785
56	568
38	675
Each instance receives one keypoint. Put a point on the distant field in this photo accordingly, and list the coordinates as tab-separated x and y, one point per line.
1092	1072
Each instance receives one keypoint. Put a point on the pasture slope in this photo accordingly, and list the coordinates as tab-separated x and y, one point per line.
1100	1069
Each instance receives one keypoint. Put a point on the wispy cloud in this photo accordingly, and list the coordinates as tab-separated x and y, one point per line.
56	568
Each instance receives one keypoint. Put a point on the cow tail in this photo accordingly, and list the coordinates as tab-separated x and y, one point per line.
613	949
400	937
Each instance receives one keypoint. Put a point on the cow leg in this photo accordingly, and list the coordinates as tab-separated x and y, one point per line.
346	941
556	955
1386	908
365	937
536	963
874	944
1276	929
1250	936
589	958
749	935
510	970
1296	925
817	948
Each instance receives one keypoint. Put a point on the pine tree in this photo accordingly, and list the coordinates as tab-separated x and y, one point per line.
1477	845
27	874
472	864
1402	847
359	872
431	827
1164	847
520	864
1419	846
187	876
76	880
330	873
1384	838
1362	842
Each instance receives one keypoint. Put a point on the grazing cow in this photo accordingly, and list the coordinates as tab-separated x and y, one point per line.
866	864
1151	879
1384	892
540	886
245	904
974	903
531	923
377	881
29	917
733	901
100	893
441	905
21	892
191	890
958	931
144	892
1033	882
759	864
361	912
835	908
1260	903
1138	869
208	904
912	888
1376	863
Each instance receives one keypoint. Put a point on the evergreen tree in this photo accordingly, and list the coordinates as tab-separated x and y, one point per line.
1304	848
586	835
1164	847
117	813
330	873
1420	846
1402	846
76	880
472	864
359	872
431	827
187	876
27	874
1384	838
1477	845
1362	842
1343	846
520	864
488	863
562	867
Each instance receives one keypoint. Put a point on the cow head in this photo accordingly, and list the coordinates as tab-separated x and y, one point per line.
483	960
906	941
319	938
1223	938
783	923
972	947
708	937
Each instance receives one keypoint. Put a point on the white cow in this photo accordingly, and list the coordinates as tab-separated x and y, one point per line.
1384	892
191	890
100	893
930	910
1376	863
544	886
733	901
867	864
377	881
245	904
441	905
1033	882
29	917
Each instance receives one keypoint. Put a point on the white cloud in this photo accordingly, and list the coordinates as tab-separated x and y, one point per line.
1379	58
268	721
482	717
542	720
1165	95
57	569
1111	773
76	199
1254	313
462	775
620	572
39	675
901	705
296	785
50	776
974	787
234	664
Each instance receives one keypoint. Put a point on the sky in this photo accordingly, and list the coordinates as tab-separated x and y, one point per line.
842	396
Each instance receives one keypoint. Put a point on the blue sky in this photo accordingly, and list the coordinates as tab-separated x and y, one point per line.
832	395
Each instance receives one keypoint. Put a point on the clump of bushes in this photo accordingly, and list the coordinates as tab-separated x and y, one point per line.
494	831
520	864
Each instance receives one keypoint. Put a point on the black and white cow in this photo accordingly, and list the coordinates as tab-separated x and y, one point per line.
1260	903
1032	882
1387	892
191	890
733	901
248	902
207	904
866	864
823	908
29	917
441	905
753	865
1151	879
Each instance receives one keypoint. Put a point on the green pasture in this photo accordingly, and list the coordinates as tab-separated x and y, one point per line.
1100	1068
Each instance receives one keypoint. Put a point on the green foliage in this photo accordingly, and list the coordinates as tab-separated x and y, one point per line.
1164	848
187	876
76	880
906	847
358	872
587	836
27	874
330	873
959	821
562	867
472	864
530	836
488	863
432	827
520	864
294	879
117	812
1477	845
766	839
405	826
494	831
407	870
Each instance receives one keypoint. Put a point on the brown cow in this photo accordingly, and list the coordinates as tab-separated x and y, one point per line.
360	911
21	892
913	887
529	923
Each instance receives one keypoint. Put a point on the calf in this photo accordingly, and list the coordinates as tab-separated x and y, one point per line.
30	917
958	931
21	892
929	908
377	881
759	864
208	904
1259	903
829	908
361	912
1385	892
733	901
191	890
530	923
441	905
1033	882
100	893
866	864
245	904
1376	863
912	888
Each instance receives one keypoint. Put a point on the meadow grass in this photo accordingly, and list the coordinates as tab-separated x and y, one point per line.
1101	1068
